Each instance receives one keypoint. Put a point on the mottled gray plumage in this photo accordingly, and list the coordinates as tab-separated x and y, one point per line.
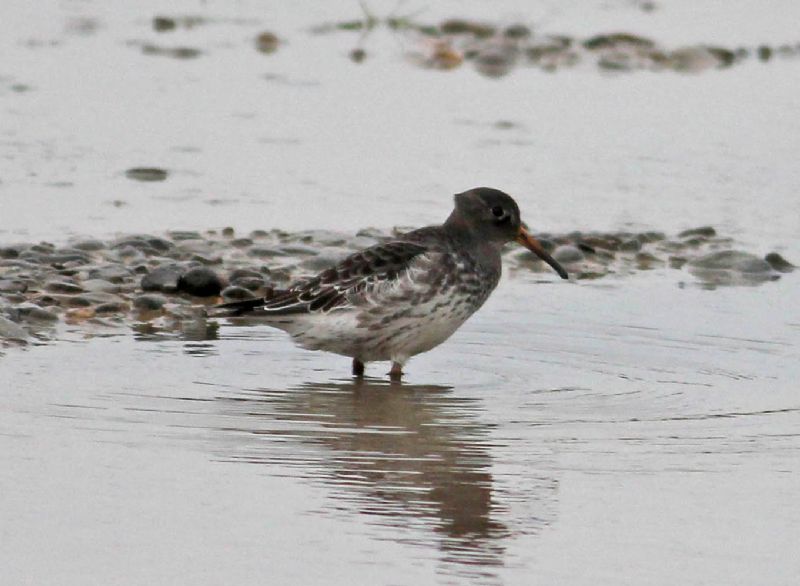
404	296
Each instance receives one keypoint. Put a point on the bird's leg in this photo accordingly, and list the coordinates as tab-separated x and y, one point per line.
396	373
358	368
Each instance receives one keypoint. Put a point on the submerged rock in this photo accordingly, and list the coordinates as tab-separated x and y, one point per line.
780	264
496	59
113	273
111	307
617	41
98	297
743	262
200	282
163	278
89	245
149	302
731	267
11	331
100	286
267	42
250	283
32	312
163	23
236	293
568	254
458	26
704	231
67	287
632	245
146	174
12	286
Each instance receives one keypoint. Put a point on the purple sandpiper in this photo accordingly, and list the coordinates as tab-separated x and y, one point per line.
404	296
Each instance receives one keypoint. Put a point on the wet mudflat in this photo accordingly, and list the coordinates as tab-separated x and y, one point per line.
638	424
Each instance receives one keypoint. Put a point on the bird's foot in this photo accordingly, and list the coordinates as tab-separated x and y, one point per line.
396	373
358	368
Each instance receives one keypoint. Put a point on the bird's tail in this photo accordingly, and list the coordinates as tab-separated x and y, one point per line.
235	308
245	307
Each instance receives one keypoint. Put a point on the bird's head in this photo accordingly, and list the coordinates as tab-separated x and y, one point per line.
493	216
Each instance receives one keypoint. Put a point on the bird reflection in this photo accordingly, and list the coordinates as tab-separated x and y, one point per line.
405	455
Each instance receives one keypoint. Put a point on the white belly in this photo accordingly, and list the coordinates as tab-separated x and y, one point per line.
380	332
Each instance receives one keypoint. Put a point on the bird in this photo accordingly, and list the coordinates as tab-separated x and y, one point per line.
403	296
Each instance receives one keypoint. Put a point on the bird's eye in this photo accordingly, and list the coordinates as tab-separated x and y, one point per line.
498	211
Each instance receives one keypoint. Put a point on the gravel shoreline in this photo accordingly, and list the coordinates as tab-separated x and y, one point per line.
157	283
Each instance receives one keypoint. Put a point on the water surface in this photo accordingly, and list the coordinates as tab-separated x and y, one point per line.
635	429
623	433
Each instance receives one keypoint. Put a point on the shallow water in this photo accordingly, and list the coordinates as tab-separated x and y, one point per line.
614	433
634	429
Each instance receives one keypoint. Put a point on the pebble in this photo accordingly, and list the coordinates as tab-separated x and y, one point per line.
163	23
358	242
79	313
358	55
568	254
185	235
181	311
238	274
780	264
113	273
146	174
250	283
734	260
90	245
496	59
281	275
704	231
11	331
517	31
149	302
677	262
66	287
267	42
12	286
236	293
651	236
111	307
265	252
149	245
646	261
200	282
164	278
13	298
31	311
129	253
60	259
98	297
65	300
325	260
457	26
100	286
300	250
632	245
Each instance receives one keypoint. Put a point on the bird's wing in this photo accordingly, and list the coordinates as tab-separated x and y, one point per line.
358	274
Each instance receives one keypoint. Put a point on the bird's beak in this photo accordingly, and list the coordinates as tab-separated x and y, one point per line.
535	246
